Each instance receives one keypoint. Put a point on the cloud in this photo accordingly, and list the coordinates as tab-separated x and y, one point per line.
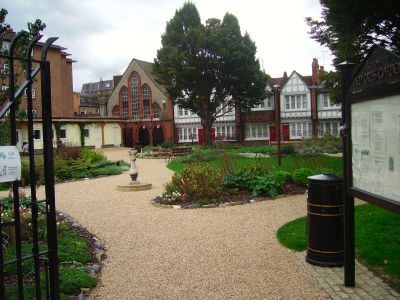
104	35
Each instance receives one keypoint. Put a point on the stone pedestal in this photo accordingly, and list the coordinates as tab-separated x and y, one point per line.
134	185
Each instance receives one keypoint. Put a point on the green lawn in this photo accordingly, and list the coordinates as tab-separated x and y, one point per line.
289	163
377	233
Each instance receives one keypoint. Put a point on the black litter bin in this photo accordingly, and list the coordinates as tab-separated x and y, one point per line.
325	221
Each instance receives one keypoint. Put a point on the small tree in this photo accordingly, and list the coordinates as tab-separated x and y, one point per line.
209	69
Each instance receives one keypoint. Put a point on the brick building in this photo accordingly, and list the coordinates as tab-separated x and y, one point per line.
143	104
61	79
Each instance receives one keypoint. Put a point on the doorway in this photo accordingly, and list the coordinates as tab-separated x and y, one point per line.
158	135
144	136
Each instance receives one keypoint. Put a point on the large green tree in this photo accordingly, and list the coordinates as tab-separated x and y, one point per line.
350	28
209	69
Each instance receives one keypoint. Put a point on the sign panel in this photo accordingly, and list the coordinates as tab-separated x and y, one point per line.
375	135
10	164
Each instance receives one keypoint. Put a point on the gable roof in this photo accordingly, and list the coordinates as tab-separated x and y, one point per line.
281	81
147	67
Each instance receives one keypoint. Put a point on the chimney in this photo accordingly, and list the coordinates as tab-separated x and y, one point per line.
315	67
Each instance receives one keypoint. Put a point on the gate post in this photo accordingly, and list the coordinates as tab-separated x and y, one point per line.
346	70
49	180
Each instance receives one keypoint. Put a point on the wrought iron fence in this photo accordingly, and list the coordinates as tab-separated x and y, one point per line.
43	253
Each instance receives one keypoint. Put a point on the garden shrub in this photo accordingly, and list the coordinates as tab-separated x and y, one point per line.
25	172
200	154
329	149
300	176
69	151
92	156
311	151
199	181
263	149
167	144
73	279
264	185
288	149
326	140
258	168
240	180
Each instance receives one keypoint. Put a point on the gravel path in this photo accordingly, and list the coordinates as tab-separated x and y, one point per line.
154	253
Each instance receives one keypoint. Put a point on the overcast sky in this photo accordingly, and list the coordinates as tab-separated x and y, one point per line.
104	35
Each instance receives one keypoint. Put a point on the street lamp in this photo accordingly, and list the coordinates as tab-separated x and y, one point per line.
278	120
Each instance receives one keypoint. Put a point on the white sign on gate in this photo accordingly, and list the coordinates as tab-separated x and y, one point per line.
10	164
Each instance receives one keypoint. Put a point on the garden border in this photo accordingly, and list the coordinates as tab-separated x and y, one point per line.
222	205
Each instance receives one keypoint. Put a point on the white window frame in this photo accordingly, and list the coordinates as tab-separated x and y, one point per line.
256	132
266	104
296	102
300	130
225	132
333	128
185	134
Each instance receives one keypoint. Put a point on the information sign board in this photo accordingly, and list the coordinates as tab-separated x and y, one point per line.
375	134
10	164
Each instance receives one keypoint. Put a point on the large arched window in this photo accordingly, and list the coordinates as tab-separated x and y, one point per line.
156	111
135	96
146	101
124	101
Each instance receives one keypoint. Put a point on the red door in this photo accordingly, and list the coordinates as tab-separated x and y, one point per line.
200	135
272	133
285	131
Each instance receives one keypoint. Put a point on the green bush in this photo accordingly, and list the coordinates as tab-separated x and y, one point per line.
240	180
25	171
199	181
288	149
300	176
311	151
264	185
257	168
92	156
329	149
167	144
263	149
73	279
200	154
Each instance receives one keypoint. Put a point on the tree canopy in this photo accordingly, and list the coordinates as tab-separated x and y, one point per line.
350	28
209	69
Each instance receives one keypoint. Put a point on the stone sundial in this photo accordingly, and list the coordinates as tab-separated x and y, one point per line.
134	185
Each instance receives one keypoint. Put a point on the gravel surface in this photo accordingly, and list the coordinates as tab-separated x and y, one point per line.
155	253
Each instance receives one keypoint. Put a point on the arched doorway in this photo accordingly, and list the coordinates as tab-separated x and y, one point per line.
144	136
158	135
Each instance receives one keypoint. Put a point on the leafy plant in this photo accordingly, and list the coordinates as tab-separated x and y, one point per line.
288	149
240	180
300	176
92	156
167	144
73	279
199	181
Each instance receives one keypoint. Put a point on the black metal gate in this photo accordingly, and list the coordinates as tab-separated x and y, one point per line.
45	257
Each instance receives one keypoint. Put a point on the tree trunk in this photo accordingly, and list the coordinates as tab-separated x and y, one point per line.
207	128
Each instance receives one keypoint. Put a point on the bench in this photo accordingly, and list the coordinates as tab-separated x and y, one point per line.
165	153
181	151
